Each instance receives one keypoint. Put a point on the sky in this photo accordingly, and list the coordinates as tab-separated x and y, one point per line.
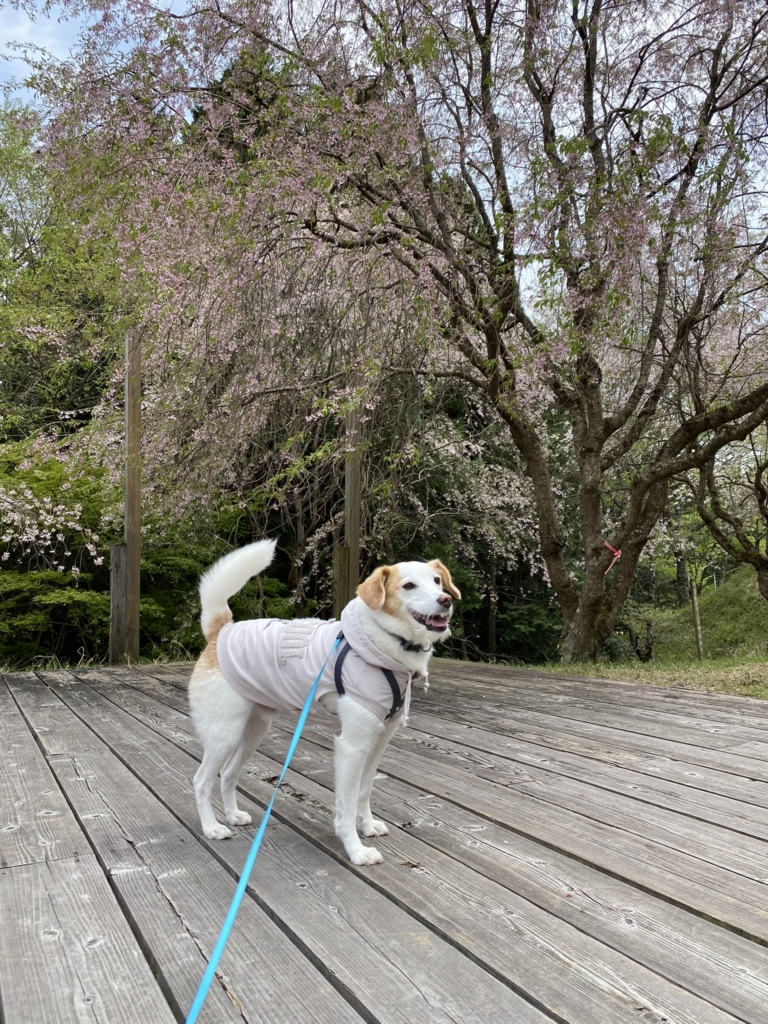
59	37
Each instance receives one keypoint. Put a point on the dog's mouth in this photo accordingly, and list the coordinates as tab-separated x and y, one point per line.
435	623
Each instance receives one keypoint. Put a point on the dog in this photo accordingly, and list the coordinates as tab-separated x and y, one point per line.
251	670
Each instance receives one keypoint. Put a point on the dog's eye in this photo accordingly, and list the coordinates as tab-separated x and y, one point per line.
438	580
409	586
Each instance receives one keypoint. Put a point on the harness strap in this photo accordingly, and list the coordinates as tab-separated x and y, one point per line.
398	698
339	664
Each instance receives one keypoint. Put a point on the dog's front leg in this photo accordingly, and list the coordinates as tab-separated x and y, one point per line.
361	733
369	825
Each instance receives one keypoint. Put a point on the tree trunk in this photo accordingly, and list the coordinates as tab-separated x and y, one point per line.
598	609
578	643
762	579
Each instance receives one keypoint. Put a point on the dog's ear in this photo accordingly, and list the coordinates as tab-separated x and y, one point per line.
374	590
448	585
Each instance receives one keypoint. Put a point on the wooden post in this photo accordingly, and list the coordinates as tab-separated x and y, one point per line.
132	490
340	580
492	601
125	575
696	619
352	481
117	616
346	559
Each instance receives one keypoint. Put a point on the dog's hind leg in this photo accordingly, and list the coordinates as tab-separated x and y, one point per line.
256	730
361	732
222	720
369	825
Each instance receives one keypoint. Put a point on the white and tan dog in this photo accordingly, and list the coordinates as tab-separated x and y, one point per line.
251	670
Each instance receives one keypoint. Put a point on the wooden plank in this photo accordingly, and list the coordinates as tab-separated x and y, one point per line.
714	845
663	826
525	723
176	895
501	760
665	818
726	969
693	720
725	707
179	675
173	672
161	689
179	681
546	742
35	822
616	691
720	966
686	880
610	696
497	927
719	893
388	961
745	798
66	951
711	845
448	674
687	729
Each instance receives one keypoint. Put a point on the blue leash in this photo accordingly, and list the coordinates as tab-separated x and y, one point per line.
237	899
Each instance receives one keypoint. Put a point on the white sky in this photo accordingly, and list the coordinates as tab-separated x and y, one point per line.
59	37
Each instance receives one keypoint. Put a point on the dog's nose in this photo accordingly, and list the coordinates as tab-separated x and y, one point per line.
445	600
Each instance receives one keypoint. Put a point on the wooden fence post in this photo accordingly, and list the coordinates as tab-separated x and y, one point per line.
346	559
117	610
125	569
340	580
352	515
132	490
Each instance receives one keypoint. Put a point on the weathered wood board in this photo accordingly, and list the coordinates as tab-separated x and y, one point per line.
561	850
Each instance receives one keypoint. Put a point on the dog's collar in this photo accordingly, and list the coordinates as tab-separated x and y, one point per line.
408	646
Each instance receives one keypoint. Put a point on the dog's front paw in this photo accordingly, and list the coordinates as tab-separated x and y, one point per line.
217	832
366	855
239	818
373	827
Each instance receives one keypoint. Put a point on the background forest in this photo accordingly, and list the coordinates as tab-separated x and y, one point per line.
527	244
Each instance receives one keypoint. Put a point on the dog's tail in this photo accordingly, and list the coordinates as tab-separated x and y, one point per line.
225	578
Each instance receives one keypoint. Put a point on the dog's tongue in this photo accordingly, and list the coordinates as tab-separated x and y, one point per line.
437	621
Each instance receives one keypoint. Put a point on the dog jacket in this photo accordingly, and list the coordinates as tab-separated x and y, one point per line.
274	662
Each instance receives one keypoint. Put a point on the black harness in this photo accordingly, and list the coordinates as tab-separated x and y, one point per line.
398	699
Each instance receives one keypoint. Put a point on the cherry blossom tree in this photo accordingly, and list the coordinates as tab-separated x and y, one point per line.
571	196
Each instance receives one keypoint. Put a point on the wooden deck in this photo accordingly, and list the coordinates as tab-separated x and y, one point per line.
560	850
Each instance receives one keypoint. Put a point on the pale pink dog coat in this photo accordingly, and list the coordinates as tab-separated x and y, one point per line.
274	662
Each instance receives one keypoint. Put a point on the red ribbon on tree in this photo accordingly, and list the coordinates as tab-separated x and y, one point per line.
616	557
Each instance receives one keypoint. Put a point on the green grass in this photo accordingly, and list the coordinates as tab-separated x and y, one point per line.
734	623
